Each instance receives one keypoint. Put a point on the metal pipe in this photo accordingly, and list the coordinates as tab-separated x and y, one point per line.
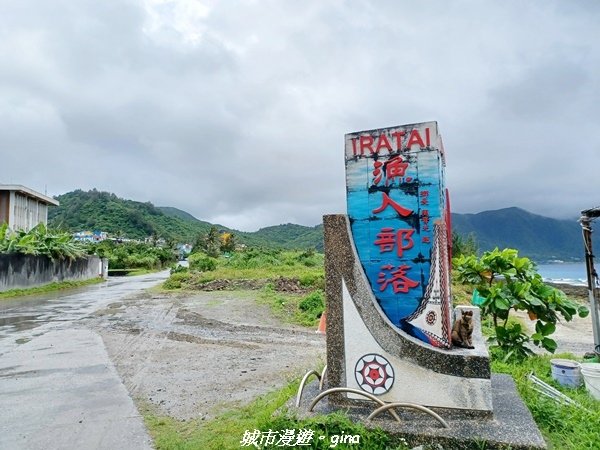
322	378
592	276
303	382
408	405
354	391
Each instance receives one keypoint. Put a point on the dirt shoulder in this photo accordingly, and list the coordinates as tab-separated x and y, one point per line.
194	355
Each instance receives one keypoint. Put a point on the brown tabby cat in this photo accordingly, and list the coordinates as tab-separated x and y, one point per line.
462	331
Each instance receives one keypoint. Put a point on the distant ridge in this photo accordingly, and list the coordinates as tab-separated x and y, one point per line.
538	237
174	212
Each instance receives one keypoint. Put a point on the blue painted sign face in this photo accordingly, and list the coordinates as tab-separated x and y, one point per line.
398	210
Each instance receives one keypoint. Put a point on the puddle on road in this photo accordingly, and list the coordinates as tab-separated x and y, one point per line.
19	323
27	313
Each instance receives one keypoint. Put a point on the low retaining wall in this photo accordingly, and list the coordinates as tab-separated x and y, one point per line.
25	271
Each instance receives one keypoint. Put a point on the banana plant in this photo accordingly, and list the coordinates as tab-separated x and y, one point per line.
40	241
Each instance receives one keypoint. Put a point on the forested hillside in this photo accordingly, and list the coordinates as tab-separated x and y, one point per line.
94	210
538	237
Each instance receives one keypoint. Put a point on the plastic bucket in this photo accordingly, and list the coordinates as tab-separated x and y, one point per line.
590	367
567	372
591	376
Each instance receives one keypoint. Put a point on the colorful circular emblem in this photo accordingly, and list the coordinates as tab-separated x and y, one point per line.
431	317
374	374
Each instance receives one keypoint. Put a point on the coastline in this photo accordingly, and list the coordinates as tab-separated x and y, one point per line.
572	290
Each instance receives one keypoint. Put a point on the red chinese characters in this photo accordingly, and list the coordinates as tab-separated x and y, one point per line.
387	201
388	238
393	168
398	279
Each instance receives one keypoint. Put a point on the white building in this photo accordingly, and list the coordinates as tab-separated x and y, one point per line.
23	208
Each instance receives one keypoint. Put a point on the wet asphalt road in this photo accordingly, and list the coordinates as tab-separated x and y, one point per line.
58	387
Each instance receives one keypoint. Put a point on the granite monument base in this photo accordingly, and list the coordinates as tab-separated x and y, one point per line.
511	425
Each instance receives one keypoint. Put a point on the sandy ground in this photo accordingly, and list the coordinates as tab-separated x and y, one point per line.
196	355
574	337
193	356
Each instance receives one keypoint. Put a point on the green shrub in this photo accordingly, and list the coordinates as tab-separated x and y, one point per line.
133	255
509	283
202	262
316	280
253	258
179	269
313	304
310	258
177	280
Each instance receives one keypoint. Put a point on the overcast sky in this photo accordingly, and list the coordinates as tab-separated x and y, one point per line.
235	111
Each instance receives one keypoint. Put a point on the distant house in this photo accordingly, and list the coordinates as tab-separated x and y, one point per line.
90	236
23	208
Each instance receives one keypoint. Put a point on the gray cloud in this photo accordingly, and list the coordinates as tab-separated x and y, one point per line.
236	111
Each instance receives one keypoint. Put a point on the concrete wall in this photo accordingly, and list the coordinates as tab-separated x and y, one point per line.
24	271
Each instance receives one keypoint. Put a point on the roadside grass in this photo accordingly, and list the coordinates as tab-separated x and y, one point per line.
262	416
136	272
299	309
253	264
563	427
51	287
309	276
223	432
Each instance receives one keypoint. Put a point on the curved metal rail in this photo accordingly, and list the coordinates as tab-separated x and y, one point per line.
322	380
303	382
354	391
389	406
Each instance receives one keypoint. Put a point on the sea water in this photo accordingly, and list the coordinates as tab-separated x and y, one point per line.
569	273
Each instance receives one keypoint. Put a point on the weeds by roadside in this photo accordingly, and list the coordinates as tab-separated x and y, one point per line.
51	287
304	266
563	427
228	430
295	308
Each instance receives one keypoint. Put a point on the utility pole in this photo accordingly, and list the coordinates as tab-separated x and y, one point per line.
592	277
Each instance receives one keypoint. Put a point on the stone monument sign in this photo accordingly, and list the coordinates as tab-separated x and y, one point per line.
388	278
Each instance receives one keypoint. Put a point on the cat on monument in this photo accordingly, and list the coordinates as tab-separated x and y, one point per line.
462	331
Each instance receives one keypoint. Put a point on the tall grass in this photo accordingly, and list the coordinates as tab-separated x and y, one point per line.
253	264
300	309
563	426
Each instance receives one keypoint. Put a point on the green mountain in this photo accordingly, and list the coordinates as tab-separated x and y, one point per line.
289	236
103	211
174	212
538	237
